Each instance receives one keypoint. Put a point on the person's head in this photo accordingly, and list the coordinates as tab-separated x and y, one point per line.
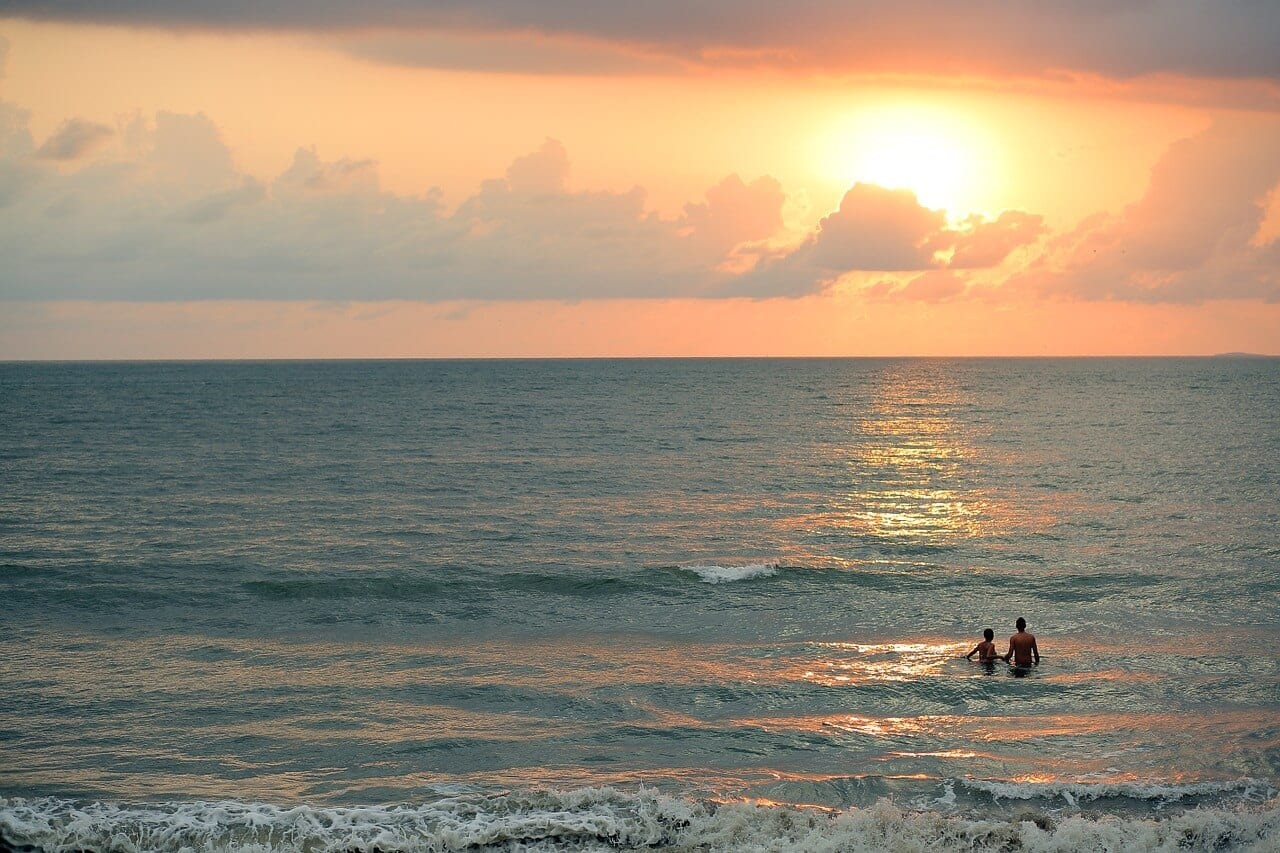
988	635
1021	623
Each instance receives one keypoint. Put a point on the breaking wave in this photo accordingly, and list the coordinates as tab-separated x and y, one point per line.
1158	793
598	819
728	574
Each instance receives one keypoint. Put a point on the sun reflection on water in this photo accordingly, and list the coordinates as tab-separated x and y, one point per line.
913	467
854	663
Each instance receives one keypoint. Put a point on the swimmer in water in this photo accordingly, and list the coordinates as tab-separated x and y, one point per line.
986	650
1022	647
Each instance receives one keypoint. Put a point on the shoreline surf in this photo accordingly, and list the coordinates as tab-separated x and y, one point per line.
1041	818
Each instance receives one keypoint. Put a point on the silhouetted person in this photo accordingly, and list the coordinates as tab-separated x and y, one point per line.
1022	647
986	650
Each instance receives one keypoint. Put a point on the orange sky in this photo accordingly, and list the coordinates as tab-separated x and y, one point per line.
347	189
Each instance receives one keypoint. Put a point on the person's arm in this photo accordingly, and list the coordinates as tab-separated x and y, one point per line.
1005	657
971	653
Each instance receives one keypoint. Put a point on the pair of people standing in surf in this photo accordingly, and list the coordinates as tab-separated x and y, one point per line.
1022	648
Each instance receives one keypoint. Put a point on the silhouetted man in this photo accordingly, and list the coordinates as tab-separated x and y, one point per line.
1022	647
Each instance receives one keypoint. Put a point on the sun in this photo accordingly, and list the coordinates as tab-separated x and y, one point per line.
937	154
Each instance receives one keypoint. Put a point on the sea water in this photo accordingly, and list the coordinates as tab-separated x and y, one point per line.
649	604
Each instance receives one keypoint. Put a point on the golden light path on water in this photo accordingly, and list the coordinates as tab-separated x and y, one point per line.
911	464
853	663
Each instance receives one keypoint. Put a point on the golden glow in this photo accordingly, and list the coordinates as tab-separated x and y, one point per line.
913	470
920	455
942	156
828	325
854	664
940	753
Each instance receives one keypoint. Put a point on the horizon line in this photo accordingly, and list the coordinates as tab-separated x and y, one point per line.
262	359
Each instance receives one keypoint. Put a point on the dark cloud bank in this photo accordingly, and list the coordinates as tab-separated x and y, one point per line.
1203	38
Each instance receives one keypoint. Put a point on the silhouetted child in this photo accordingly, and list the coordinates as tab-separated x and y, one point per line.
986	650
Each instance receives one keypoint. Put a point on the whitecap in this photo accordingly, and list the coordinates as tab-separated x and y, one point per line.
606	819
729	574
1248	790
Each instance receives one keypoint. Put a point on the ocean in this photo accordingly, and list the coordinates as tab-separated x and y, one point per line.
712	605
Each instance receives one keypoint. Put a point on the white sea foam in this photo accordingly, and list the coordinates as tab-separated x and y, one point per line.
604	819
1246	790
728	574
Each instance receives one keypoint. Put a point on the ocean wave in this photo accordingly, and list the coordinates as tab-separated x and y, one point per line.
603	819
1246	790
373	586
403	587
568	584
728	574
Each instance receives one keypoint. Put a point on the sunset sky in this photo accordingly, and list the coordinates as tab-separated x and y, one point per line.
410	178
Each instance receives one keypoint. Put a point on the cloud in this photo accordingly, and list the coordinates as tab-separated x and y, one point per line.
1198	38
17	173
213	207
164	214
544	172
1195	234
183	150
15	138
876	229
308	173
508	53
885	230
987	244
4	55
736	213
74	139
159	211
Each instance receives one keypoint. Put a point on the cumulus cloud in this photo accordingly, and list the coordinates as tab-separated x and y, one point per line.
1193	236
161	212
308	173
736	212
214	206
1204	38
183	151
165	214
987	244
876	229
544	172
74	139
887	230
